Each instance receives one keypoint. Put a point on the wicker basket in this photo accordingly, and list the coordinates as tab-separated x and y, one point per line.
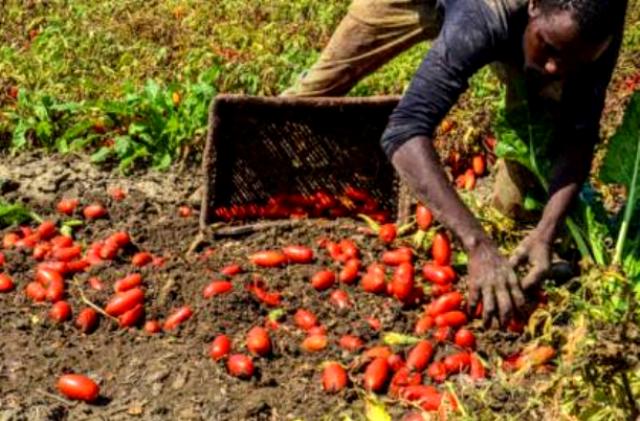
259	146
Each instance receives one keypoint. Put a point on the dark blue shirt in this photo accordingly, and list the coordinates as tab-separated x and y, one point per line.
475	33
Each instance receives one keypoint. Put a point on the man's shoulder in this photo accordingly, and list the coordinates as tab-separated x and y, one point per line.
506	8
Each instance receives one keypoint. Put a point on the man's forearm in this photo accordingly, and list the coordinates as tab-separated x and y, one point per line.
419	166
569	174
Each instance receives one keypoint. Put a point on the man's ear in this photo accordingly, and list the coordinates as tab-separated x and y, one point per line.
534	10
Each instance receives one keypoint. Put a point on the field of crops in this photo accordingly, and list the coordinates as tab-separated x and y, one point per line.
320	306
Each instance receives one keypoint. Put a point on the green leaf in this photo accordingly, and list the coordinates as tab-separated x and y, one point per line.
375	410
618	164
101	155
12	213
393	338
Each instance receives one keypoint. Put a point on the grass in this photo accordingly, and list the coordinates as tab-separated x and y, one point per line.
82	65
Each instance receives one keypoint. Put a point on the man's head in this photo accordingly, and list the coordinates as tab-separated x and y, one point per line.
563	34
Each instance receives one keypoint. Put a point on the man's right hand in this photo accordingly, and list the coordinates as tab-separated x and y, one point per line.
493	282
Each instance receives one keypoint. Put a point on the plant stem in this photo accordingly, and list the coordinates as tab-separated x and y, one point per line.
628	212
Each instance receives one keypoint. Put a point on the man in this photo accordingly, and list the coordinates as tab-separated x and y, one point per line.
563	50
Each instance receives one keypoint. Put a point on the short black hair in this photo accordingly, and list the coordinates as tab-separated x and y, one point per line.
596	19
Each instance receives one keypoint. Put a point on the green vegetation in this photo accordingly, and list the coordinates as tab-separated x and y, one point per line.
101	76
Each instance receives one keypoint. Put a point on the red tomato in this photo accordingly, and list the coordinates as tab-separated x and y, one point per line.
419	356
59	267
117	194
76	266
87	320
403	378
445	303
396	362
240	366
323	280
152	327
268	258
55	290
124	301
95	283
442	334
231	270
334	377
35	291
10	239
317	330
351	343
258	341
469	180
464	338
132	317
437	371
66	254
478	164
379	351
335	251
178	317
441	249
298	254
387	233
376	374
6	283
402	281
217	288
374	280
315	343
78	387
141	259
424	324
46	276
2	259
128	282
185	211
349	250
41	251
373	322
424	217
477	370
440	275
220	347
427	397
46	230
457	362
120	238
109	251
349	272
451	319
340	299
60	312
67	206
61	241
397	256
94	211
305	319
440	289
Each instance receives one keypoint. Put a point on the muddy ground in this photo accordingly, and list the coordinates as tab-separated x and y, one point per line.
169	375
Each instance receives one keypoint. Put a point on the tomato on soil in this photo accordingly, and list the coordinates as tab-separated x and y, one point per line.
178	317
78	387
220	347
334	377
6	283
240	366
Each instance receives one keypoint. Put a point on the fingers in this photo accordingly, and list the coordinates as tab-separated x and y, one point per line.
474	298
519	256
534	277
516	291
505	306
489	306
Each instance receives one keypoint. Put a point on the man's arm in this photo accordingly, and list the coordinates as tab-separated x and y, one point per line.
583	102
469	40
490	276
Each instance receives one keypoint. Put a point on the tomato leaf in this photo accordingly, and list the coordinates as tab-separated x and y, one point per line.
375	410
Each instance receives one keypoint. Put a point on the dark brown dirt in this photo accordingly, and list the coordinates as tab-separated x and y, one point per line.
169	375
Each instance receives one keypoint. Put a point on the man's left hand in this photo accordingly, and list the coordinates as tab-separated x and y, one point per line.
537	252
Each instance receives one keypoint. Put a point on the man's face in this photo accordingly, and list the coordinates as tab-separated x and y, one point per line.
553	47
